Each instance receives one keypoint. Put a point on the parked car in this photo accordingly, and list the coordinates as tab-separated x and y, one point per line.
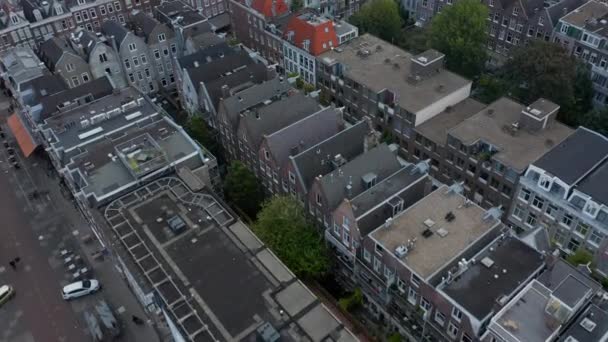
6	293
80	288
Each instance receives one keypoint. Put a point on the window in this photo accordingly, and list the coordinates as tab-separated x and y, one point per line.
452	330
292	177
102	10
596	237
345	223
564	28
140	76
78	17
144	59
127	63
173	48
103	58
541	20
162	37
117	5
367	256
515	10
602	216
425	304
524	195
518	212
545	182
132	47
85	77
136	61
466	338
377	264
75	81
456	314
551	210
538	202
157	54
415	280
69	67
346	239
591	208
318	199
531	219
439	318
388	273
573	245
567	220
110	8
582	229
412	296
85	15
131	77
147	71
166	52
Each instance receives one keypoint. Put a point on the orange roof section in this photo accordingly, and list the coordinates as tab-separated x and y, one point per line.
270	8
25	141
318	33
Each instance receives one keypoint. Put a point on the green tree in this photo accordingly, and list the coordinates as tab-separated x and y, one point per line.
243	189
296	5
197	129
459	31
283	226
414	40
596	120
489	88
580	257
380	18
352	301
543	69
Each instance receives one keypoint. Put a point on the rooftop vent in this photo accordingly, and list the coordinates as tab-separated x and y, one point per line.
450	216
427	233
429	223
588	324
388	222
487	262
401	251
442	232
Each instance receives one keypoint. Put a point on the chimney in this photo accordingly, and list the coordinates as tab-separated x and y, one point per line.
225	91
425	65
538	116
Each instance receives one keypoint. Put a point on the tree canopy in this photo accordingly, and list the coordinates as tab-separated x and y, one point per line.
243	189
198	130
380	18
284	228
459	31
543	69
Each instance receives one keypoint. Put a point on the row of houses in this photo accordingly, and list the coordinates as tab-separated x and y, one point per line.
31	22
371	170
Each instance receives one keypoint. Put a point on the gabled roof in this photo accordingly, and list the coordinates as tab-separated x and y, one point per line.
271	118
97	88
144	23
53	49
317	160
206	55
577	330
254	96
312	30
88	40
114	29
270	8
575	156
43	86
241	79
218	67
303	134
380	161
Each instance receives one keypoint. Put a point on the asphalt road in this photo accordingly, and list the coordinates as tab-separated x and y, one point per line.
37	312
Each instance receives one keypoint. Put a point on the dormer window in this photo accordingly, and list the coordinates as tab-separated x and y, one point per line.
15	19
516	11
545	182
81	2
577	201
162	37
58	9
591	208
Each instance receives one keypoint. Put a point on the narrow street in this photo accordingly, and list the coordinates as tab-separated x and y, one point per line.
38	222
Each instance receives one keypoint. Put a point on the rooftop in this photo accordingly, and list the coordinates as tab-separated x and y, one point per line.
311	32
206	55
304	133
436	129
178	13
355	176
498	271
205	72
317	160
144	24
106	165
21	65
591	17
213	260
276	115
270	8
591	325
372	207
572	159
515	149
236	81
379	65
525	318
451	234
79	125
